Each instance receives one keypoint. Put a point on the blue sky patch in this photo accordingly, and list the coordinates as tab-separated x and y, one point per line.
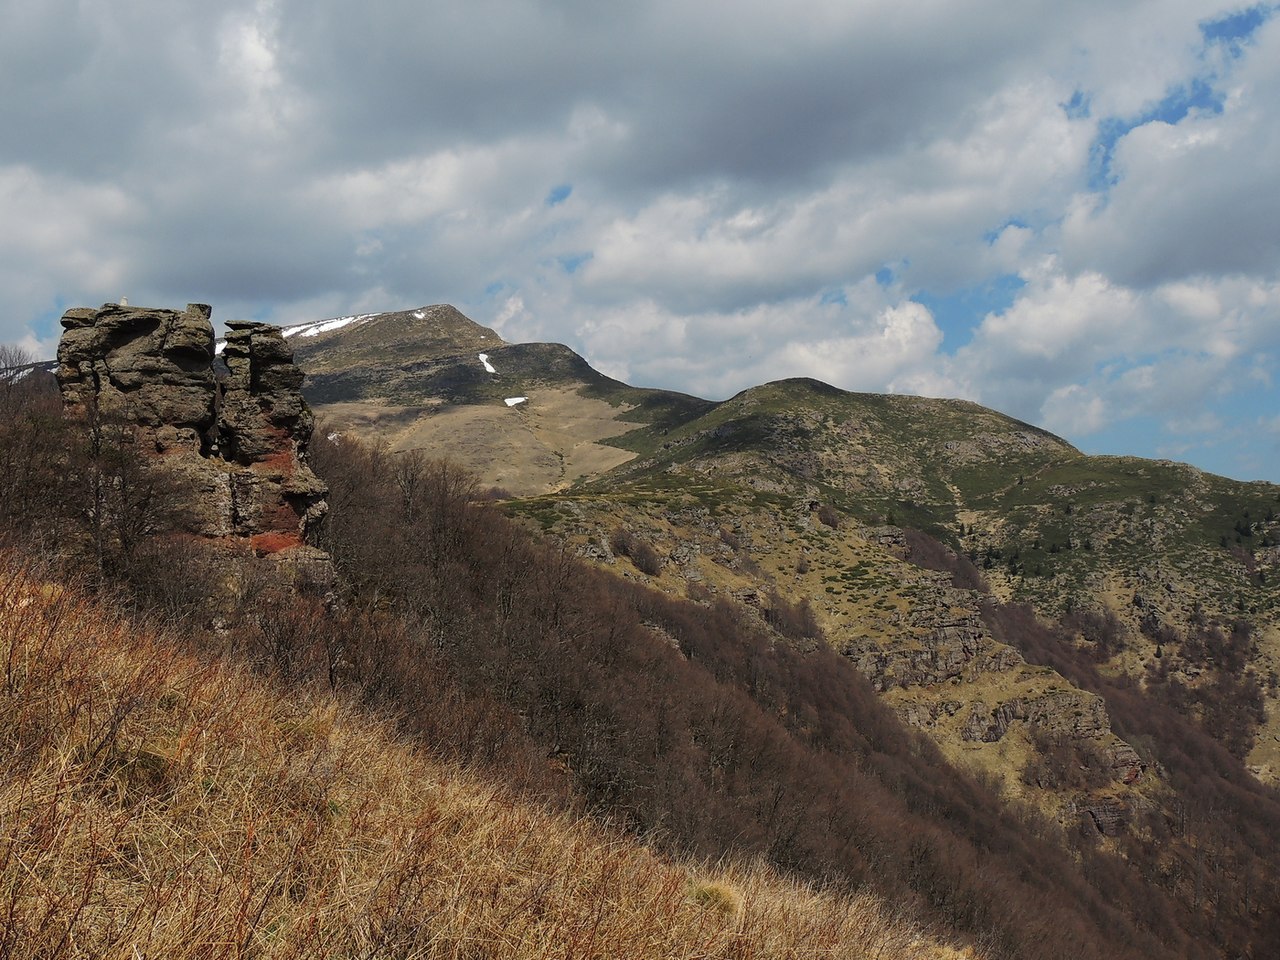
884	276
570	262
1077	108
958	314
837	296
1236	29
559	195
46	326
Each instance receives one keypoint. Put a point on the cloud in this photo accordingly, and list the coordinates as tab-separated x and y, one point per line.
1195	197
700	196
1074	410
59	233
867	340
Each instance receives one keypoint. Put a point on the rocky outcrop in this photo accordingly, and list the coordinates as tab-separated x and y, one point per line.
1071	713
946	642
152	367
236	439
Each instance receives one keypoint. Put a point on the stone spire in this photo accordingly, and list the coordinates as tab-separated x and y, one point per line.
237	443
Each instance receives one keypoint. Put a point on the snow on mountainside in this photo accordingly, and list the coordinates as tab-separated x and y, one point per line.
324	326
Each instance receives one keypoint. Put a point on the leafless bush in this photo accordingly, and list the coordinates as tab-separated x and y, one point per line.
640	552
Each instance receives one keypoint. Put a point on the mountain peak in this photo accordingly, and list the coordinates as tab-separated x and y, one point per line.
428	332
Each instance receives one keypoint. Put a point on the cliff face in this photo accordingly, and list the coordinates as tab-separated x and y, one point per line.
236	439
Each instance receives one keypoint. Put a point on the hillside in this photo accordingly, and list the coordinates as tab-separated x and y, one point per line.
154	802
1158	549
777	627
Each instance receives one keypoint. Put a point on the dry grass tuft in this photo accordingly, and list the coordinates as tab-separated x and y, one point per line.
716	896
156	804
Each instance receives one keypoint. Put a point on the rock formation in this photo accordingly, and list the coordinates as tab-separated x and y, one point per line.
237	440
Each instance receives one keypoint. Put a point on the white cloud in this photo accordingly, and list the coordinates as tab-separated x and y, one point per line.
1197	197
1206	422
717	354
1074	410
60	237
734	169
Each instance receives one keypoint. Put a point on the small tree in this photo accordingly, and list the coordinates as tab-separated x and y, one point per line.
120	496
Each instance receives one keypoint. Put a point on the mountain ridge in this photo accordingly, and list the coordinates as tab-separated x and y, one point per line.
1128	538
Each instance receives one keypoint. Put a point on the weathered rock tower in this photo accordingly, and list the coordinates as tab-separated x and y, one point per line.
236	438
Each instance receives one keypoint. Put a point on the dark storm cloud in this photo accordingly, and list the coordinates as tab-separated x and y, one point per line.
90	89
752	91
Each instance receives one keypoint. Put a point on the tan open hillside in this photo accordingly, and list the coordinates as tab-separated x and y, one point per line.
546	443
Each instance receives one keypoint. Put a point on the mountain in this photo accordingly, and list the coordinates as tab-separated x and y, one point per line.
884	643
730	494
529	418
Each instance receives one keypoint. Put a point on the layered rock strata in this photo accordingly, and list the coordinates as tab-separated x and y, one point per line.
235	433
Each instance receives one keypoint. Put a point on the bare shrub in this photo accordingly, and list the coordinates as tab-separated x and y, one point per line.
931	554
795	621
638	550
828	515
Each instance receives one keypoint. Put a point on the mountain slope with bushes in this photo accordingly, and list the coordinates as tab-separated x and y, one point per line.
880	644
156	801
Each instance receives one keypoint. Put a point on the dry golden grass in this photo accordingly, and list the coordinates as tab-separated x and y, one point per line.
154	804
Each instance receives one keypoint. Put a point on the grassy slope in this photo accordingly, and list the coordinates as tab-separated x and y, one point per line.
1056	527
158	804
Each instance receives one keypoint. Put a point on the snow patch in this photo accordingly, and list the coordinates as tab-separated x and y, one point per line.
220	345
484	358
334	437
324	326
421	315
512	401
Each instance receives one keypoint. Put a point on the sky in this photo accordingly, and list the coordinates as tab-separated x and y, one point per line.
1068	211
